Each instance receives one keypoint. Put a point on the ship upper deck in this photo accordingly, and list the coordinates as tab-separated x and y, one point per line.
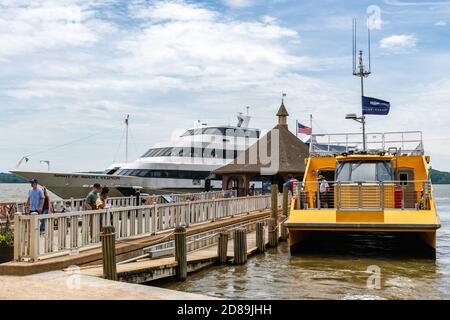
386	143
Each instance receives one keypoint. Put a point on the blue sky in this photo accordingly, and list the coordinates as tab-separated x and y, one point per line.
72	69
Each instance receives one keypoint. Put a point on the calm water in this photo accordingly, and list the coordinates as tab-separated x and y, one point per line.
334	272
17	192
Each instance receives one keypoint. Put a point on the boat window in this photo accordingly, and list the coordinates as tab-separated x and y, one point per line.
403	178
364	171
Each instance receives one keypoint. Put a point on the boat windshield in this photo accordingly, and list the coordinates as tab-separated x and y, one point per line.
361	171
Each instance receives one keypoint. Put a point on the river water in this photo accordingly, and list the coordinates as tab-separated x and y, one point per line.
335	271
332	271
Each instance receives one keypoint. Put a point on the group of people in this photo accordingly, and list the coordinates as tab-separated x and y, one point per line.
323	186
97	198
38	200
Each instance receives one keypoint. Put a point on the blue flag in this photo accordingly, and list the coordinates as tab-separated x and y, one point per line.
375	106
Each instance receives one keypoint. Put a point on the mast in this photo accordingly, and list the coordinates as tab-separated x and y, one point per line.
126	138
361	72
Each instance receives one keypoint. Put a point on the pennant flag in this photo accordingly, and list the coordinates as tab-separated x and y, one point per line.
304	129
375	106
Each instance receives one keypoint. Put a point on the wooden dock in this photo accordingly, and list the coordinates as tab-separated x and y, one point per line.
146	270
126	249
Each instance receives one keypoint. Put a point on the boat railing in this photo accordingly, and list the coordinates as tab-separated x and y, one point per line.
41	236
367	195
395	143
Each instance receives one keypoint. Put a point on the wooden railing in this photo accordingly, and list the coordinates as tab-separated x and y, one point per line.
8	209
37	236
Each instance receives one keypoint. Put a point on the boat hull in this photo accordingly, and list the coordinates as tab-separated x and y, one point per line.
304	224
77	185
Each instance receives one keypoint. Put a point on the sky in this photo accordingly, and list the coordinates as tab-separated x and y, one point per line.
71	70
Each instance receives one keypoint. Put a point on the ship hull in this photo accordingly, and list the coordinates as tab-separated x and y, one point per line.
77	185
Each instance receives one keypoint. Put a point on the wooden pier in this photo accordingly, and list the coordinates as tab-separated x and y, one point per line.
151	242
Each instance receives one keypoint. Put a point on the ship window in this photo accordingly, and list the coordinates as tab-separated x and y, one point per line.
364	171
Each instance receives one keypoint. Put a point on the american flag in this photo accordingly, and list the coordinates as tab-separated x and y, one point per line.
304	129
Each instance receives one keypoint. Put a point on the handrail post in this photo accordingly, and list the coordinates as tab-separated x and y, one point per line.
360	202
109	253
34	236
339	195
319	204
18	241
403	197
181	253
382	200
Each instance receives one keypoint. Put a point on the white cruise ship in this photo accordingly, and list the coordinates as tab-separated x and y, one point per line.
182	165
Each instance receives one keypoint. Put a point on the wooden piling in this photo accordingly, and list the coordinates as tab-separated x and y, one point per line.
181	253
283	231
108	239
285	201
222	247
274	208
260	237
273	232
240	246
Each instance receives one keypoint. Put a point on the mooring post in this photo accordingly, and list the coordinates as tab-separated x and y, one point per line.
181	253
240	246
108	238
260	237
222	247
283	231
274	211
285	201
273	232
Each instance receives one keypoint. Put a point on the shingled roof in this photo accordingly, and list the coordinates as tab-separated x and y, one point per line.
292	152
282	112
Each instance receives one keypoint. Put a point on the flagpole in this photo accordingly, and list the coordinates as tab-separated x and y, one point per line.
296	128
311	123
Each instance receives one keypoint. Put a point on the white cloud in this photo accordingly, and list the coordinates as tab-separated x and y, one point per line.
398	42
440	23
238	3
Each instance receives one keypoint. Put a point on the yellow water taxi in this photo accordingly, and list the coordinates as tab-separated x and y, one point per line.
385	188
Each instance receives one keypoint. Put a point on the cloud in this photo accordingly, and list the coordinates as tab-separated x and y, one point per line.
440	23
397	43
239	3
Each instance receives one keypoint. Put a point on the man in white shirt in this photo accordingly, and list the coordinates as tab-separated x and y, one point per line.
324	189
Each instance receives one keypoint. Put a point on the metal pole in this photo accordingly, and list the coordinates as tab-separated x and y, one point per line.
363	118
126	138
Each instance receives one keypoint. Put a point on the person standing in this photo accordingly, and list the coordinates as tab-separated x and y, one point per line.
35	200
324	189
91	204
91	200
102	204
101	201
46	208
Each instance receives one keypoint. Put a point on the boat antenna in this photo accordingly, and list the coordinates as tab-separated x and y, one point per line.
126	137
359	70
